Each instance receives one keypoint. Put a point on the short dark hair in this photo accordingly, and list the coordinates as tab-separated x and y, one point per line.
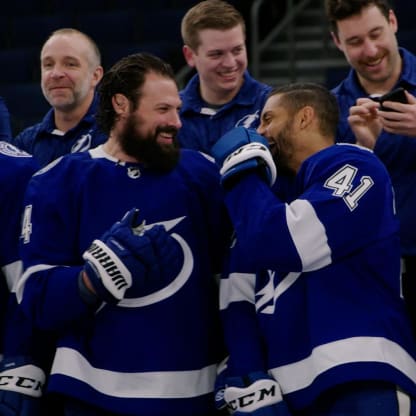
127	77
341	9
298	95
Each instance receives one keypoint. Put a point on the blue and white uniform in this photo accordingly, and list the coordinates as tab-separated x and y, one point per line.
16	168
202	125
398	153
313	290
46	143
153	355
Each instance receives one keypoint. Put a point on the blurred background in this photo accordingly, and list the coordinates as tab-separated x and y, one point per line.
287	40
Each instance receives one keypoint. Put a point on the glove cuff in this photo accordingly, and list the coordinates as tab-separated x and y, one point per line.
26	379
106	271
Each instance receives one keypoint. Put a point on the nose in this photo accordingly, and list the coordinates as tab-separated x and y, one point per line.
56	71
176	120
261	129
370	48
228	59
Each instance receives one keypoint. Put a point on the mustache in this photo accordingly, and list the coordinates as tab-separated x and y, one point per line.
167	129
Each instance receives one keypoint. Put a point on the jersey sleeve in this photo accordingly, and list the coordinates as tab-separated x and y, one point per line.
242	334
345	203
48	290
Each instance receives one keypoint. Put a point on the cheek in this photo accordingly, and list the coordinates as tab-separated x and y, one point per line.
242	60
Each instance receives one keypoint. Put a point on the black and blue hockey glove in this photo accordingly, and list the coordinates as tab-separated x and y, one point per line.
131	260
21	383
256	394
240	151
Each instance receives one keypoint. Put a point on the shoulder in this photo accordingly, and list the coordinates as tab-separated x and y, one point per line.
252	84
29	134
66	169
352	156
198	167
15	165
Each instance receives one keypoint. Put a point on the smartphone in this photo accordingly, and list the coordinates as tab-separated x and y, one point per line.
397	95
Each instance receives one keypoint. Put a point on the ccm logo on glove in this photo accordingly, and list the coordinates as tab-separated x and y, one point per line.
259	394
27	379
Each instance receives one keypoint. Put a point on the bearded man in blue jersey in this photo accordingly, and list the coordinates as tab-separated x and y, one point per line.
312	294
120	250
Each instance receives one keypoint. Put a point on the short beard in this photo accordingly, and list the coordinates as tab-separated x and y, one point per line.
281	157
146	149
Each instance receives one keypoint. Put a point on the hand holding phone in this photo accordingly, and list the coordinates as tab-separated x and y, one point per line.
397	95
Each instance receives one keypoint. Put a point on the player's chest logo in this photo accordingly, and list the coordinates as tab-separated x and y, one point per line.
177	283
133	172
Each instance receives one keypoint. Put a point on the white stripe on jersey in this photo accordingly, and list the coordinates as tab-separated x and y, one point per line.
237	287
301	374
152	384
12	272
404	402
308	235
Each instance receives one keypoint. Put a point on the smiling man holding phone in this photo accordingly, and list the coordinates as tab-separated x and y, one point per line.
365	31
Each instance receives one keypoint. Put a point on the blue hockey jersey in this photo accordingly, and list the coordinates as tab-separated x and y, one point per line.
313	290
46	144
398	153
148	355
16	168
202	126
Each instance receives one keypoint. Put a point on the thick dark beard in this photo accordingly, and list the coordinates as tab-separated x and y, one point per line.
146	149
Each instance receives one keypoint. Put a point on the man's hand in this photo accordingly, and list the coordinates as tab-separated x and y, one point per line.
402	120
129	256
364	122
241	151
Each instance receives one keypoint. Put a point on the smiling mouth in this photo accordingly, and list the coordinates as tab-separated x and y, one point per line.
374	63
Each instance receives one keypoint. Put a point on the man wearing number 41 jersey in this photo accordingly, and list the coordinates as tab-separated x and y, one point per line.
120	249
312	295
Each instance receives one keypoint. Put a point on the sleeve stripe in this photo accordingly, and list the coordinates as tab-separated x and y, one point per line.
308	235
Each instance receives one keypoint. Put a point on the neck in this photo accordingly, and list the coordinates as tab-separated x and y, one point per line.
112	147
218	97
66	120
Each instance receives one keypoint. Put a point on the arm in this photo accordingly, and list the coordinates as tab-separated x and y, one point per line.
243	385
305	234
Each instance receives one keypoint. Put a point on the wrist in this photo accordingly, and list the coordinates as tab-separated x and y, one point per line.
86	290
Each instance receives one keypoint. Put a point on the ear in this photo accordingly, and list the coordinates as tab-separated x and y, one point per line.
335	39
393	21
97	75
304	117
188	54
120	104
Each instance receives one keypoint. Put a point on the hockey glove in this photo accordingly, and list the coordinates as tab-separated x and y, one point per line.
256	394
21	384
240	151
130	256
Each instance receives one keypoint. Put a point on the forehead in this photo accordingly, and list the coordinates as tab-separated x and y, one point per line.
213	39
158	89
60	45
360	24
274	104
